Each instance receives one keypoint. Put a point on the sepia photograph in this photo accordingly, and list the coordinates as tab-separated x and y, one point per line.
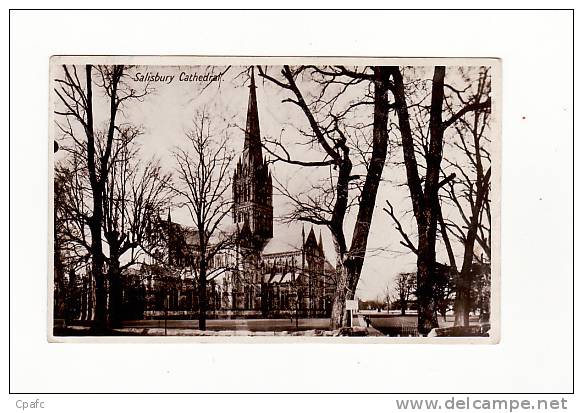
347	209
292	199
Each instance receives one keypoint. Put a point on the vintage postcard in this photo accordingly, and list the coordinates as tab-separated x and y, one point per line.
219	199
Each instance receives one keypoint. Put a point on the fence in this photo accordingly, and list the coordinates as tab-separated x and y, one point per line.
399	331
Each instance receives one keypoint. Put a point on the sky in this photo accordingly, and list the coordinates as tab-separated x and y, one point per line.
167	112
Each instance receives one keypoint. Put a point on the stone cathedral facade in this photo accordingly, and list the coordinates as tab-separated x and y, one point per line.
272	272
279	272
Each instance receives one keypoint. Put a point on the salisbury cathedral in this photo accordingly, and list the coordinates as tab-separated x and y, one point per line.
266	274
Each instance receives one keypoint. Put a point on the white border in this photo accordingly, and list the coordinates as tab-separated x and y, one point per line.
536	49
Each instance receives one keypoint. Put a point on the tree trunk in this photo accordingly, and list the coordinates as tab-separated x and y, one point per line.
350	274
462	301
115	290
424	199
465	280
373	177
464	285
202	299
462	307
100	303
426	311
97	186
337	318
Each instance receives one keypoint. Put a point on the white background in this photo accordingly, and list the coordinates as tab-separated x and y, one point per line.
535	353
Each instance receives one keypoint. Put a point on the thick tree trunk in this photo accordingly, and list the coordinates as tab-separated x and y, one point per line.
97	186
100	303
465	280
463	289
424	199
427	270
337	318
462	307
426	312
339	298
202	298
464	285
115	291
373	177
352	266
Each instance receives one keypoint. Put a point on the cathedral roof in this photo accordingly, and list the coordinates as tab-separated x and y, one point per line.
279	278
190	236
286	238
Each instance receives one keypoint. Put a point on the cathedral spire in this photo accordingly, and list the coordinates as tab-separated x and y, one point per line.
252	146
252	183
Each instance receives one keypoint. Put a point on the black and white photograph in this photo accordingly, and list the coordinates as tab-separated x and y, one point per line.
283	207
283	199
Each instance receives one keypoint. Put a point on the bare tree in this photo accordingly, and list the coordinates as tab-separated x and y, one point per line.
69	255
204	181
424	190
330	131
77	111
404	287
469	193
135	193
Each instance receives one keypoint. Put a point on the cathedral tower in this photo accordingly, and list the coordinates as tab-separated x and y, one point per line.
252	185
